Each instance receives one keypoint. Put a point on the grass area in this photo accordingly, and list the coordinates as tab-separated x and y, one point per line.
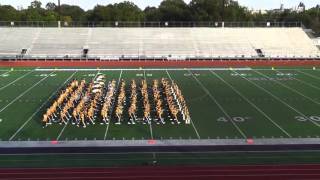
224	104
158	159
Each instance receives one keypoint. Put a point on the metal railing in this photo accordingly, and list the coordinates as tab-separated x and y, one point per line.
213	24
164	58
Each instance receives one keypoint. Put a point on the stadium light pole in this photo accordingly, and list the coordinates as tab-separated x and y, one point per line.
59	10
222	9
318	8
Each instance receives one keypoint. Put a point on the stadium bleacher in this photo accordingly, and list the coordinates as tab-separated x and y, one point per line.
158	42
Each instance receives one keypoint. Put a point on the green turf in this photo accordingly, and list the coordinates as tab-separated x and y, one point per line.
258	103
157	159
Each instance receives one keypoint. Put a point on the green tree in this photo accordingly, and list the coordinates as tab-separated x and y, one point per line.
75	12
36	13
234	12
151	14
169	10
35	5
101	13
206	10
127	11
174	10
8	13
124	11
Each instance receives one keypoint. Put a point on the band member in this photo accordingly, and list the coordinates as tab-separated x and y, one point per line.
45	120
119	112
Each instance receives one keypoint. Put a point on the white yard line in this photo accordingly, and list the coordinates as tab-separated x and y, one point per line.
31	117
62	130
194	127
308	74
169	75
293	90
252	104
219	105
280	100
107	129
16	80
150	125
17	70
5	72
303	82
22	94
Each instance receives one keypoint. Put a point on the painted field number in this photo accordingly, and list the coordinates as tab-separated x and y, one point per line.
46	75
235	119
304	119
286	74
240	74
4	75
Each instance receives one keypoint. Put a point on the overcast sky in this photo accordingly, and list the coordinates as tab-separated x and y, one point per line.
89	4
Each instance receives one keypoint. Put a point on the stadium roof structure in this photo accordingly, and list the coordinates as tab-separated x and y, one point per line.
149	43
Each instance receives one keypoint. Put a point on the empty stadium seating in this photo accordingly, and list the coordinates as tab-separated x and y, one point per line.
157	42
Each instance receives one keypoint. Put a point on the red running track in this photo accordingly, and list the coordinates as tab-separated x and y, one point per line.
152	63
273	172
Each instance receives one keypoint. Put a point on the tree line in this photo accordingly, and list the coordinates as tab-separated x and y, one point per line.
168	10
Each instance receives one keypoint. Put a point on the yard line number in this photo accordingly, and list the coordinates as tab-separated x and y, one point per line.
240	74
190	74
305	119
286	74
4	75
89	75
142	75
235	119
46	75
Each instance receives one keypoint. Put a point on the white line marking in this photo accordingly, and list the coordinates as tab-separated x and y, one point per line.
107	129
293	90
150	125
252	104
30	118
15	80
303	82
25	92
308	74
219	105
60	134
194	127
5	73
280	100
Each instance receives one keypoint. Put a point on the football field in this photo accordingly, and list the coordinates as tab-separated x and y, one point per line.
224	103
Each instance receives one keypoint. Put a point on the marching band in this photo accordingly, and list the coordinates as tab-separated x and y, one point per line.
84	104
